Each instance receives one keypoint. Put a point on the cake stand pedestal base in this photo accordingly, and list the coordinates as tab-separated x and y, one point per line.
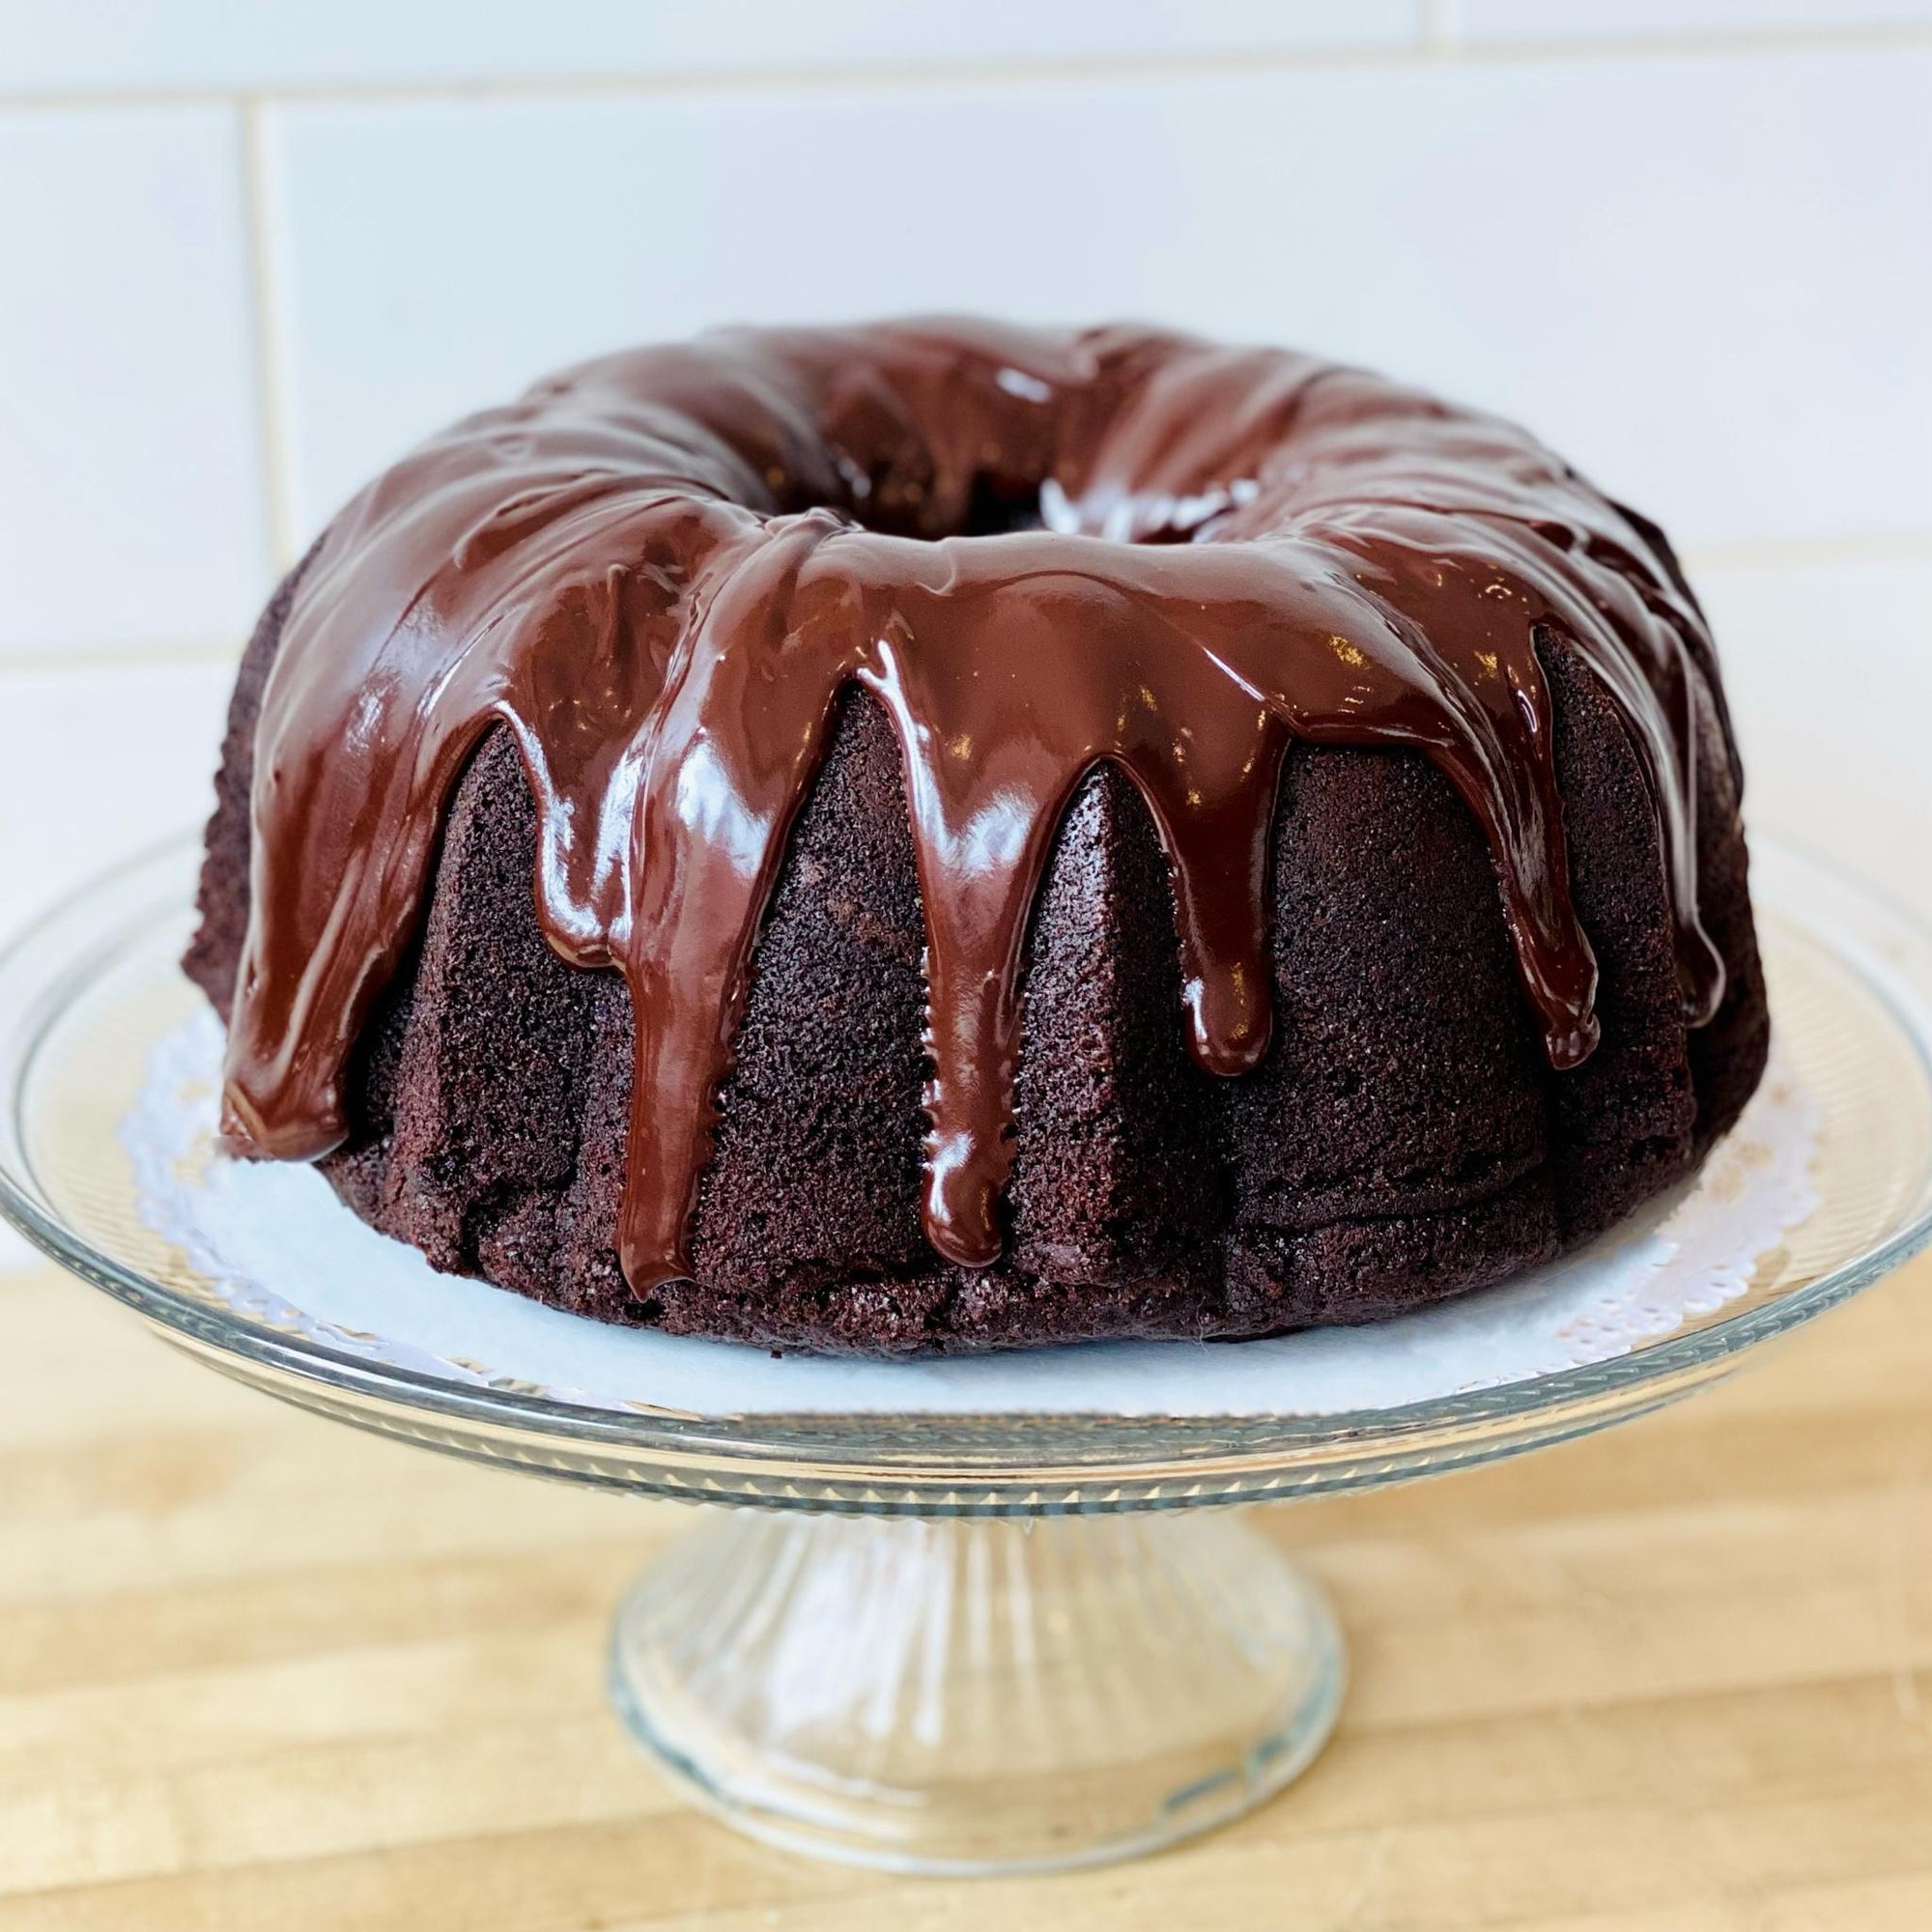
972	1694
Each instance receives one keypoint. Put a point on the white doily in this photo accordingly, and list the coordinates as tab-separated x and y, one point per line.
276	1244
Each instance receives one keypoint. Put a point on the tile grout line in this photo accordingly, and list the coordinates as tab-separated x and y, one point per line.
163	654
1781	552
1441	25
1438	40
271	432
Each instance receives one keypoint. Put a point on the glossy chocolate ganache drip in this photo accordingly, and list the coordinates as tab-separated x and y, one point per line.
1039	552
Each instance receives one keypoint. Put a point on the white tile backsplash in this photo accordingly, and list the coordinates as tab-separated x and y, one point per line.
1704	279
130	490
143	45
1828	667
96	763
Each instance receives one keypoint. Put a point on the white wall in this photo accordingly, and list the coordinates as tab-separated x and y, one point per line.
248	251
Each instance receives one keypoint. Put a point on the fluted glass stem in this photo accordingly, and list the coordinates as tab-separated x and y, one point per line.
976	1694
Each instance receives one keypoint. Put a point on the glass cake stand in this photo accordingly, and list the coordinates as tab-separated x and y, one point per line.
947	1643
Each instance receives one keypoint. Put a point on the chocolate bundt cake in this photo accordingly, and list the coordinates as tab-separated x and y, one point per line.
939	835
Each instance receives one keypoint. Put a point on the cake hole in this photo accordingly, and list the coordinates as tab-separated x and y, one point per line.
999	506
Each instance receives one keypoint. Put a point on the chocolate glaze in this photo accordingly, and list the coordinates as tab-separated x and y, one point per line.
660	570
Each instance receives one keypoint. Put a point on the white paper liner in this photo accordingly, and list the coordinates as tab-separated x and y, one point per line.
276	1244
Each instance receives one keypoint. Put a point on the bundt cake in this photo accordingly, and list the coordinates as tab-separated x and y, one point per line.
939	835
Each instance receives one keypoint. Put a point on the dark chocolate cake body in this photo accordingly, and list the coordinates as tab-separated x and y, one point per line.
947	837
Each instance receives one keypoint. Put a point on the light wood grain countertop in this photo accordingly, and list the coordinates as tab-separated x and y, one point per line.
257	1670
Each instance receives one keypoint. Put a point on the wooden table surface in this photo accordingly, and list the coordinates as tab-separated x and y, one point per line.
257	1670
